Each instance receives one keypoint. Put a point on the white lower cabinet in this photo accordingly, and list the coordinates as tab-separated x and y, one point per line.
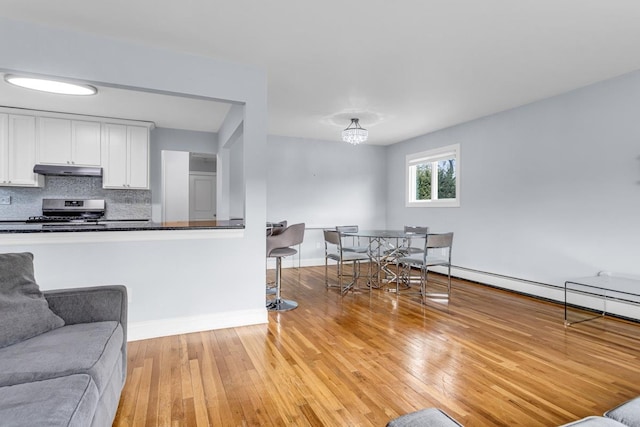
18	151
125	156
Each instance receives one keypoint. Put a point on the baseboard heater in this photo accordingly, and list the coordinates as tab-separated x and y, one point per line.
544	291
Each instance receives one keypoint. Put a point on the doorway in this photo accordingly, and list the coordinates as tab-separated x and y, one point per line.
188	186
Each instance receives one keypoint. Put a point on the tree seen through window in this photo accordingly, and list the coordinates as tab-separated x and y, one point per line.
446	180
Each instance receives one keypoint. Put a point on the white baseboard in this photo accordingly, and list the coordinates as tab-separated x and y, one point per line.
184	325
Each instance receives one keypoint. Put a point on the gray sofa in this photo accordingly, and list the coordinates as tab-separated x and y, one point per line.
625	415
63	353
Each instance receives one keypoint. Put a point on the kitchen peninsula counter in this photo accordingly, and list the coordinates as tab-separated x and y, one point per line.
18	227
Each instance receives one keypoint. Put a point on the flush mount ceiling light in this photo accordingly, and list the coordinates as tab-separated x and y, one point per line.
51	86
354	133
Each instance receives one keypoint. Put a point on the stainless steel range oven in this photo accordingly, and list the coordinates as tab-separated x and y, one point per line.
74	211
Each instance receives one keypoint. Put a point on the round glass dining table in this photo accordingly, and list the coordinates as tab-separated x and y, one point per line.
384	247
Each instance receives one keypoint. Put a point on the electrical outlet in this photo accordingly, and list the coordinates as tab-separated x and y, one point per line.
5	200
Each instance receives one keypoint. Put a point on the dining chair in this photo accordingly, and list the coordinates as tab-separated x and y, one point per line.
333	250
437	252
355	240
415	244
280	246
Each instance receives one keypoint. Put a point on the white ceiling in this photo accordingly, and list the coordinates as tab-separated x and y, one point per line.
164	110
405	68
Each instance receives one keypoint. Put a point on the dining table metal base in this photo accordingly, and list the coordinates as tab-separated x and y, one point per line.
384	248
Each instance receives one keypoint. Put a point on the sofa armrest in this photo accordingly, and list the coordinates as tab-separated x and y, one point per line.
92	304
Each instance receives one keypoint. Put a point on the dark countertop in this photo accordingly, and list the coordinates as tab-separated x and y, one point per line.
21	227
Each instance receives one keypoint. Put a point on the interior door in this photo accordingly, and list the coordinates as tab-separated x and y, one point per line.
202	196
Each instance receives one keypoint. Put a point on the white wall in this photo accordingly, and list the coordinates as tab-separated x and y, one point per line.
185	282
230	134
174	194
550	191
324	184
236	178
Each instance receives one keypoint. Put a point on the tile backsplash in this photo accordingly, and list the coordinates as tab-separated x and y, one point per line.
120	204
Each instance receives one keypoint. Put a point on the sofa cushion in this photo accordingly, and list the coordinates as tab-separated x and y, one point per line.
430	417
24	312
84	348
628	413
594	422
67	401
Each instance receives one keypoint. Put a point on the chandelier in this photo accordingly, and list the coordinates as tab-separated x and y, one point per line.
354	133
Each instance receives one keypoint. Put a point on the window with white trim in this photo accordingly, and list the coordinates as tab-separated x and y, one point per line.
433	178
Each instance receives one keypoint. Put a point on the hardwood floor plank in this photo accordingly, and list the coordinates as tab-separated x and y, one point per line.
185	377
199	401
154	353
178	412
487	357
144	393
166	359
190	419
129	397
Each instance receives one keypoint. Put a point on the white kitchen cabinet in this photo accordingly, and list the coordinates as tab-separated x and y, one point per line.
138	156
125	157
18	151
4	148
68	142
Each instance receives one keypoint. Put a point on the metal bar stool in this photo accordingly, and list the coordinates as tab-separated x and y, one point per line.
273	229
279	246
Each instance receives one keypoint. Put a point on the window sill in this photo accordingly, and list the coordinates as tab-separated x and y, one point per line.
434	204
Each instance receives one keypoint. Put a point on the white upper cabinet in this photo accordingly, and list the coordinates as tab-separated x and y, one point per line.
85	143
68	142
18	151
4	148
125	156
119	146
138	139
114	169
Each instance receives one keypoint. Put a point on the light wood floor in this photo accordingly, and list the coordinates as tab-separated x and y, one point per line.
488	358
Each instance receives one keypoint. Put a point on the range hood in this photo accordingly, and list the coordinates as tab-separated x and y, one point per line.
67	170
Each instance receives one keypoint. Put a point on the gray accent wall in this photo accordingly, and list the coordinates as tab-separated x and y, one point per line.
550	190
324	184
